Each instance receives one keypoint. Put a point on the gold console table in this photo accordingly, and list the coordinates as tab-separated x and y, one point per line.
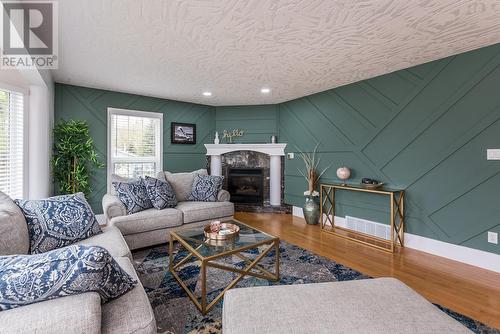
397	221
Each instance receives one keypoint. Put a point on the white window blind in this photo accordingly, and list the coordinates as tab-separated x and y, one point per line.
12	143
135	143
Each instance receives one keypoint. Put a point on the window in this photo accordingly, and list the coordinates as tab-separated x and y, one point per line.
135	141
12	169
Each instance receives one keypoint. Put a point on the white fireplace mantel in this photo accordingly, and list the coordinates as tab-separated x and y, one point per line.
275	152
269	149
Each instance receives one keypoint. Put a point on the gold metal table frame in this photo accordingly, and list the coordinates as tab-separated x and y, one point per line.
397	219
252	269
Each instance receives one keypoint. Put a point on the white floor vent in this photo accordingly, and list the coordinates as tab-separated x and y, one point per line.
366	226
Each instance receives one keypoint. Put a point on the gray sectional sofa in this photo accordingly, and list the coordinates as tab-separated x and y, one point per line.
152	226
84	313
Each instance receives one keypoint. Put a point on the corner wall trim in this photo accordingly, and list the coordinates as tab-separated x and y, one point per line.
458	253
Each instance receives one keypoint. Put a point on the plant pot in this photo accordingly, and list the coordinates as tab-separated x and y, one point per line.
311	210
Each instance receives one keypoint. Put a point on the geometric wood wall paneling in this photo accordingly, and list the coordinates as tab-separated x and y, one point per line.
425	129
259	123
91	105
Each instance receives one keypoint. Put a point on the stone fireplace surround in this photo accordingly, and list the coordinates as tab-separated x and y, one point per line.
268	157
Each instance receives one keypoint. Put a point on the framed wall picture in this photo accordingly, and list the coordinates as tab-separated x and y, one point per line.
183	133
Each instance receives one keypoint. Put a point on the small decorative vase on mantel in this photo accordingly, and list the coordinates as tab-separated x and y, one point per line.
311	210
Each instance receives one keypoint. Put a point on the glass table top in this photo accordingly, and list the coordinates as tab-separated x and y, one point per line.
247	237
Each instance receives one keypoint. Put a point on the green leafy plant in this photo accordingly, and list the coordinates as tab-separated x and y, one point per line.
74	157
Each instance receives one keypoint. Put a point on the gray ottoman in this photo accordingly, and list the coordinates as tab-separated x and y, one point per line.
382	305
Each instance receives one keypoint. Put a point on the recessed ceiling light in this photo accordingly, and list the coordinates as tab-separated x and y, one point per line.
265	90
208	94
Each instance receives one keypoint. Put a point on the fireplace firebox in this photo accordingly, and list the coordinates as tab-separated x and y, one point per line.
246	185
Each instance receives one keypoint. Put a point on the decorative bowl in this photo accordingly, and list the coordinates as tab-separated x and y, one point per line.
372	186
227	231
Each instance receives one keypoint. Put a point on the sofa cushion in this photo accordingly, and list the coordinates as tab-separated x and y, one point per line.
206	188
111	239
58	221
148	220
14	238
133	195
181	182
197	211
160	192
132	312
112	207
75	269
70	314
378	306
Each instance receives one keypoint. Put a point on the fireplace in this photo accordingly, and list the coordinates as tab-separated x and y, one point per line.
253	175
246	185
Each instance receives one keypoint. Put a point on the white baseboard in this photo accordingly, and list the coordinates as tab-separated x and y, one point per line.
458	253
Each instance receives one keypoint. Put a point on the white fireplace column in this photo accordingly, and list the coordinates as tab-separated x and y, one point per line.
275	180
275	152
216	165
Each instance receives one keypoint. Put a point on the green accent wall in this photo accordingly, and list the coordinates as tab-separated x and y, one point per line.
425	129
259	122
73	102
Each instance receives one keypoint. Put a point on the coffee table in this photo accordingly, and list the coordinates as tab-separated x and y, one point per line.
210	252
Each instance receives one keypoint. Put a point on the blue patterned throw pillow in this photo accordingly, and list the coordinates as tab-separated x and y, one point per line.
206	188
160	193
58	221
28	279
133	195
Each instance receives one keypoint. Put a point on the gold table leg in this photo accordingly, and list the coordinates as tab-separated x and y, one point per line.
247	271
397	218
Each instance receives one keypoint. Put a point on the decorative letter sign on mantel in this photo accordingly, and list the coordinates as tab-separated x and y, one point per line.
275	152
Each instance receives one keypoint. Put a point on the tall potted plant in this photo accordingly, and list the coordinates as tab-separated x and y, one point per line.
312	175
74	157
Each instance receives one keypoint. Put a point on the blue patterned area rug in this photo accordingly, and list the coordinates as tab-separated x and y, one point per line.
175	313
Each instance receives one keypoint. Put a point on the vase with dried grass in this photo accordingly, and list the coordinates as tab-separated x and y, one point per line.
312	174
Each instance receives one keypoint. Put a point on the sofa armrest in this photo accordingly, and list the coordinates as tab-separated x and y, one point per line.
112	207
70	314
223	196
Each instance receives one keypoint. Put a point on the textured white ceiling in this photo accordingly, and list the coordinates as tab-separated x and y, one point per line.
178	49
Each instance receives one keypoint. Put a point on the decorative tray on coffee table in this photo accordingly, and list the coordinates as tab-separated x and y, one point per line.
226	231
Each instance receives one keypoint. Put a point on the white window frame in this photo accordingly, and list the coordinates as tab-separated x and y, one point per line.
25	93
159	146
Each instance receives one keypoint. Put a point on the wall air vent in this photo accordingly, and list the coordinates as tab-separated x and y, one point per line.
367	226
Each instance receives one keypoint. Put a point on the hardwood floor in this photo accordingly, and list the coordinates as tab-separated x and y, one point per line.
466	289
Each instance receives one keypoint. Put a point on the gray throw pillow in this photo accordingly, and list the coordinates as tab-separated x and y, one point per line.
58	221
160	193
28	279
206	188
133	195
14	237
182	182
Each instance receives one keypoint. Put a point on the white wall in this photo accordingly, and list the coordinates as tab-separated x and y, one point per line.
40	123
38	127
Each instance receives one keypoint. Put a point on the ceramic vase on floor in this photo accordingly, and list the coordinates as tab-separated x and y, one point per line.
311	210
